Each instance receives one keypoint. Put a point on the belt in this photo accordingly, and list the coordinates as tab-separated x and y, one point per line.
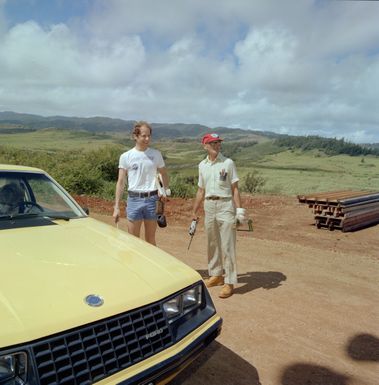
216	198
147	194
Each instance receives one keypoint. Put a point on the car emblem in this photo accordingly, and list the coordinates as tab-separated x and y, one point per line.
154	333
93	300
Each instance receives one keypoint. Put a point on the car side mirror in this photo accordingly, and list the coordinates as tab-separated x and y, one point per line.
86	210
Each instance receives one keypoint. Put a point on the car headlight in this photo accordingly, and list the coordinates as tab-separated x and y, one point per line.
191	298
183	303
172	307
13	369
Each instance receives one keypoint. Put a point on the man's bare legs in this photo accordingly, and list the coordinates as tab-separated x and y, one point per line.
150	229
134	228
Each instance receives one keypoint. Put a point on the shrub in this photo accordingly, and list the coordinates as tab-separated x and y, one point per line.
183	187
79	178
105	160
108	191
253	182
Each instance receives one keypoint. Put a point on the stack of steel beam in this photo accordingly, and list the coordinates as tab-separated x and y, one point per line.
344	210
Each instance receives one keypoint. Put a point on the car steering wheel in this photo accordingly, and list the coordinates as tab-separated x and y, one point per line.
31	204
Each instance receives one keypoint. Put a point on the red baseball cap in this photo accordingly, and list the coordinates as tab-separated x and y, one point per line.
213	137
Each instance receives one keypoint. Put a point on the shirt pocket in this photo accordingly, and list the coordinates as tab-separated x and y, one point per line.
224	185
223	179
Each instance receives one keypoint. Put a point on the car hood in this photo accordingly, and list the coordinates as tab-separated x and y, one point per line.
46	273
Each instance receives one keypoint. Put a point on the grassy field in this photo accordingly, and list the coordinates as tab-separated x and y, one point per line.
286	172
55	140
291	173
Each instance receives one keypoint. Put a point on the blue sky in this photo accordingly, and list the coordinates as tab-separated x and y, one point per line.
297	67
45	12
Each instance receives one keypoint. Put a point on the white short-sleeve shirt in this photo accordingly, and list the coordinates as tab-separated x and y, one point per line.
217	177
141	167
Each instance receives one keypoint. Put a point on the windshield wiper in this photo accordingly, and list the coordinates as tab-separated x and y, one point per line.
34	215
19	216
57	216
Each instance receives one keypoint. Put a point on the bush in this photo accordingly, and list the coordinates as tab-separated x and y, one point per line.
108	191
93	172
79	177
105	160
183	187
253	182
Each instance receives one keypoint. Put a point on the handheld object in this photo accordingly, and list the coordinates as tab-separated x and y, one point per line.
159	207
165	192
192	231
240	216
161	220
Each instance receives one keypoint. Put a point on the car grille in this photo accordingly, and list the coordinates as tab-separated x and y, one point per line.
88	354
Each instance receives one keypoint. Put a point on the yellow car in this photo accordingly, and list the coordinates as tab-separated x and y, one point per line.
82	302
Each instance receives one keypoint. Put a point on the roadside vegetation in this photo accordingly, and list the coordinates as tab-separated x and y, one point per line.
87	162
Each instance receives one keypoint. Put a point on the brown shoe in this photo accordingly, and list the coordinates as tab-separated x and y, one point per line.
214	281
226	291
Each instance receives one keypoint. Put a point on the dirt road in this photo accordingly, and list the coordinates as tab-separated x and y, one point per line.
306	309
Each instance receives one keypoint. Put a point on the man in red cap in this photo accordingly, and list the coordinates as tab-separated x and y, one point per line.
218	186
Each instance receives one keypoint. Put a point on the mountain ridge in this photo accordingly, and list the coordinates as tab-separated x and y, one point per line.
20	121
15	122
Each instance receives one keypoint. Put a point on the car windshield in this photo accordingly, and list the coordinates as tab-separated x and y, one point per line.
34	195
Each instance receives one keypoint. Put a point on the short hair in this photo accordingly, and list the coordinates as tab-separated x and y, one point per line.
137	127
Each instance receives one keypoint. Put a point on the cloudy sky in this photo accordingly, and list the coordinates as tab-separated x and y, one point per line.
302	67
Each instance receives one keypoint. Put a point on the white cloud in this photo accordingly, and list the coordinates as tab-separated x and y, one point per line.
266	58
296	67
31	55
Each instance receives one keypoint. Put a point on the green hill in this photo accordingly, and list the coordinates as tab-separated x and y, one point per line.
82	153
12	122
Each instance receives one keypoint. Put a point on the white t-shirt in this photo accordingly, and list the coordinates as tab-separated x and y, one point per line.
141	167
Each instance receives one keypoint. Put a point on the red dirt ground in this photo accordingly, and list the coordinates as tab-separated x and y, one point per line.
305	311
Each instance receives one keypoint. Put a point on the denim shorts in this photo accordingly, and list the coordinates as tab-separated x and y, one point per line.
139	209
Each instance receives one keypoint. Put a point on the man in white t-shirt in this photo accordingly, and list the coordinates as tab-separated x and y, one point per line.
218	186
141	165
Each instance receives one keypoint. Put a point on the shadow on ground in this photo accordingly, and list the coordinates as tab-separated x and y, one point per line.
306	374
218	365
364	347
259	280
255	280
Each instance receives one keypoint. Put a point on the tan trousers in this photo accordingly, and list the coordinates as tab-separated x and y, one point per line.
221	232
